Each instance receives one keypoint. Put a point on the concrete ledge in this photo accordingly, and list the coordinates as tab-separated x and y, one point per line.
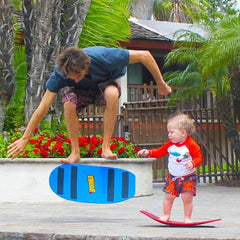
43	236
26	179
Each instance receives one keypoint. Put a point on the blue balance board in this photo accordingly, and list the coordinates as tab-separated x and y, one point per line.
92	184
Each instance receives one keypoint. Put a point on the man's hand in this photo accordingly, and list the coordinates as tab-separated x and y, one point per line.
19	145
165	90
16	147
146	58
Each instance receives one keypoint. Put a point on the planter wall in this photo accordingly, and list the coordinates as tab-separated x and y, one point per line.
26	180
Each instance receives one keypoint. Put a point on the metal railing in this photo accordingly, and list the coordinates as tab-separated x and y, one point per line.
144	123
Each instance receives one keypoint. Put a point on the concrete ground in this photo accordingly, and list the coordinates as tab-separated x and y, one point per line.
71	220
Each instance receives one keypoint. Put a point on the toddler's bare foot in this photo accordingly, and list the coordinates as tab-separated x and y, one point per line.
188	220
108	154
165	218
73	158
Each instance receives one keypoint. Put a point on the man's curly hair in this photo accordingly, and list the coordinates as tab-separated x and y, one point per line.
73	60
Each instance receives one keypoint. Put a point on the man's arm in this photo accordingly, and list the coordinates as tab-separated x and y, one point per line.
149	62
18	146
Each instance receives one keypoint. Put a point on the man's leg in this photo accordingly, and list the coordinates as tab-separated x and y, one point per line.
72	123
111	95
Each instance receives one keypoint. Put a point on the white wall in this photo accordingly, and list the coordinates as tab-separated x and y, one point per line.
123	84
27	180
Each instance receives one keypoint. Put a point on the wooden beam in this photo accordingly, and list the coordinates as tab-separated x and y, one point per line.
148	44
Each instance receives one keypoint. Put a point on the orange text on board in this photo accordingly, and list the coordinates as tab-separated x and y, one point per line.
91	184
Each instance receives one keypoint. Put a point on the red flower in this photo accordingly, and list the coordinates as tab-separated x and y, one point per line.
92	147
123	139
33	141
136	149
54	149
121	150
67	140
99	152
47	144
115	139
83	141
113	146
38	146
58	144
95	140
41	137
61	153
61	135
44	153
36	150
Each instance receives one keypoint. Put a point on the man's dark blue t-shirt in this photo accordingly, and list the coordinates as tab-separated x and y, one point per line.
106	64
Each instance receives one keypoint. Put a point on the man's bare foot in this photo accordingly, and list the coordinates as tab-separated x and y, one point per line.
165	218
188	220
73	158
109	155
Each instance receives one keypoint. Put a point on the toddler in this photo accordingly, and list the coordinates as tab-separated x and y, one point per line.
184	156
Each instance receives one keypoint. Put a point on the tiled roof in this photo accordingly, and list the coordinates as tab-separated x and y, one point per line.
139	32
160	30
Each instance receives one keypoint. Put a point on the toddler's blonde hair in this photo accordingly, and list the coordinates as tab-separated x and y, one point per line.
184	122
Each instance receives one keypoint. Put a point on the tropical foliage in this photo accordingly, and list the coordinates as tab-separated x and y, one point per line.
6	58
189	10
112	23
15	109
40	62
211	64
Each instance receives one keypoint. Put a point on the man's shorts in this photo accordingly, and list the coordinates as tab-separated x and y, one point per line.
84	97
177	185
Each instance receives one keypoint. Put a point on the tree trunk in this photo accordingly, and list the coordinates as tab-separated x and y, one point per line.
27	12
44	22
74	14
38	28
178	14
6	57
142	9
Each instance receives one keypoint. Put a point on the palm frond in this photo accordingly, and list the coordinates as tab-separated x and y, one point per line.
188	83
183	55
188	37
20	67
223	47
162	9
20	80
106	23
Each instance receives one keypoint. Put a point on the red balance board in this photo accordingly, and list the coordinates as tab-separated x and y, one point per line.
174	223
